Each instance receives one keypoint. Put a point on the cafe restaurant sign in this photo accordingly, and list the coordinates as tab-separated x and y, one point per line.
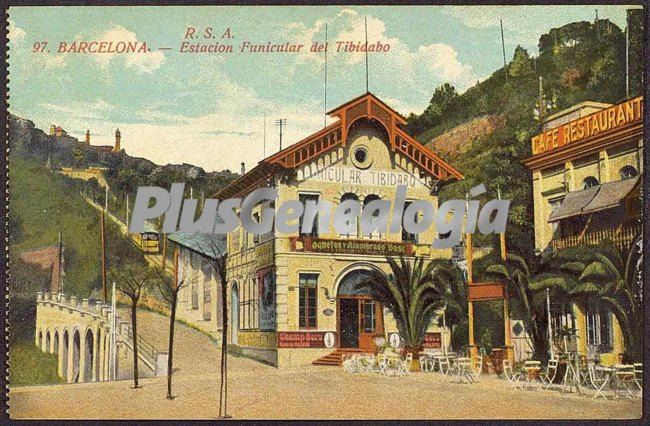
589	126
351	246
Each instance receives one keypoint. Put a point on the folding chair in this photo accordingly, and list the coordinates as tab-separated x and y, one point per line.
382	362
405	365
551	372
638	377
444	365
597	382
513	378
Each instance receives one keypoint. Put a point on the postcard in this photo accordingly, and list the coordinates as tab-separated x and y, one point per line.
325	212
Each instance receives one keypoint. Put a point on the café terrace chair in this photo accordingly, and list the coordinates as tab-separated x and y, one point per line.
477	368
382	363
513	378
404	367
444	366
551	371
638	377
597	382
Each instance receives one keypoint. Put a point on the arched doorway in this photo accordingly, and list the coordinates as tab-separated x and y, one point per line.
88	356
63	355
76	346
234	313
360	318
56	342
48	342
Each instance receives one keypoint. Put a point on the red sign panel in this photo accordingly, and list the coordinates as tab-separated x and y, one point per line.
351	246
302	339
486	291
433	340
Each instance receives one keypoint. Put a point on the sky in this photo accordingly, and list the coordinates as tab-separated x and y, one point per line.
210	109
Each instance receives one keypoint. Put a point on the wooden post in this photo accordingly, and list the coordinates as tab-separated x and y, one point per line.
175	269
102	225
508	352
164	252
470	305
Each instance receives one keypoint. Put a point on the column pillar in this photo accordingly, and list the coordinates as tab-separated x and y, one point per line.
95	362
82	358
603	167
70	359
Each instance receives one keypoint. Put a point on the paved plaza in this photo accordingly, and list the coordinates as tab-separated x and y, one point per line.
258	391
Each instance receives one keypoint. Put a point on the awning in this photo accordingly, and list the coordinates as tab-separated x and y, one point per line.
593	199
573	204
610	195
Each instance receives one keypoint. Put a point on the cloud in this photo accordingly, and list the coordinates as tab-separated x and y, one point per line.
402	70
140	62
16	35
97	110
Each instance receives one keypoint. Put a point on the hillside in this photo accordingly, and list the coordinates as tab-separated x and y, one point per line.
125	173
485	132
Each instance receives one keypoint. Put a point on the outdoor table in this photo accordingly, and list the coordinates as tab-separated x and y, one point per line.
531	374
463	369
608	372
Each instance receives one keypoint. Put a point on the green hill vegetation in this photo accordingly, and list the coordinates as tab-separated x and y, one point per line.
577	62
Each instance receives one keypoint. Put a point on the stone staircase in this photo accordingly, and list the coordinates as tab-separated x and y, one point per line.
335	358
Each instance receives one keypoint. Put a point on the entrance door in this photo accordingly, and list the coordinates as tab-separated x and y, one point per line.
360	321
370	323
349	323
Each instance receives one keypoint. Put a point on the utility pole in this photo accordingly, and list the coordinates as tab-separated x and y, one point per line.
281	122
325	112
366	27
627	55
503	47
106	199
542	107
126	215
60	277
102	225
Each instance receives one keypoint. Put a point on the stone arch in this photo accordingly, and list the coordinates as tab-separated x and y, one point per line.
39	340
89	355
56	342
64	354
48	342
367	266
76	356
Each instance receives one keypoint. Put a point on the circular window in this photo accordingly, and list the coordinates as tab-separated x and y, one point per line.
361	157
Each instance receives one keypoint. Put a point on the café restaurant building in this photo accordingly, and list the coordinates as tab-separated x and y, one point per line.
587	167
293	298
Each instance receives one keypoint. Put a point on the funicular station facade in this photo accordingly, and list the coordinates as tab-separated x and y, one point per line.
293	299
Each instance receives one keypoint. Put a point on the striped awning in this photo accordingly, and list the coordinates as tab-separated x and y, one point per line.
594	199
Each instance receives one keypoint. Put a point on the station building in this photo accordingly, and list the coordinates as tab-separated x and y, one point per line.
587	167
292	299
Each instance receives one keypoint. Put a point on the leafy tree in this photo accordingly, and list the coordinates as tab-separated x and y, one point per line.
169	287
132	280
598	276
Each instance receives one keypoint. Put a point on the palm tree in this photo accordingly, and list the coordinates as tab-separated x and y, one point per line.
411	294
518	274
450	280
597	275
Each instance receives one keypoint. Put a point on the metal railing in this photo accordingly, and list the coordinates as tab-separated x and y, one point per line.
622	238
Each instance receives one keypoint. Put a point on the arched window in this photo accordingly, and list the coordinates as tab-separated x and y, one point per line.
353	221
589	182
628	172
375	214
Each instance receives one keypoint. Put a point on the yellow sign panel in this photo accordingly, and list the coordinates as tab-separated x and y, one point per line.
591	125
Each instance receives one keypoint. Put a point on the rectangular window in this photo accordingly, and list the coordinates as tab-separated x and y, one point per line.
369	316
407	237
303	198
307	308
256	237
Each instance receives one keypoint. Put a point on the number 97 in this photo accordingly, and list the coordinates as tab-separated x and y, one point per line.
39	46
